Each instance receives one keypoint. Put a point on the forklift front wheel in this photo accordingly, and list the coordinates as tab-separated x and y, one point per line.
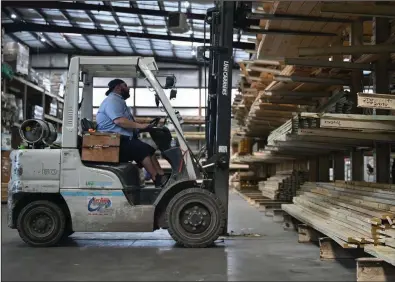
41	223
195	218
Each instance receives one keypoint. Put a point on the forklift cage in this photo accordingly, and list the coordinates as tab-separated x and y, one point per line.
98	66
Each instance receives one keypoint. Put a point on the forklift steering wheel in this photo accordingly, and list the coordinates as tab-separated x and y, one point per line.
155	121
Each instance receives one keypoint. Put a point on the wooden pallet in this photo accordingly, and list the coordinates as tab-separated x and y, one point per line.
264	204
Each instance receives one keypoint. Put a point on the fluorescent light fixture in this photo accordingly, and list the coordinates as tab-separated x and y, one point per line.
72	34
13	16
186	4
346	59
42	39
181	43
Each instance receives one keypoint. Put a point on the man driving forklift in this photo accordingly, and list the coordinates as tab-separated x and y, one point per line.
114	116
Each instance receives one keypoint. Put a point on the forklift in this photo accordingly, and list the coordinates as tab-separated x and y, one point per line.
54	193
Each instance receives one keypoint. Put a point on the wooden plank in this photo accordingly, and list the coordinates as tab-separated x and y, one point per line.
263	62
305	79
327	64
376	101
353	124
346	134
382	252
383	11
261	69
354	117
287	93
347	50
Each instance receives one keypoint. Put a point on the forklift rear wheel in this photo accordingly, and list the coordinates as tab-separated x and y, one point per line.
195	218
41	224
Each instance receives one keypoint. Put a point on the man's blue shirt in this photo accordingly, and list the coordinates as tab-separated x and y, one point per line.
113	107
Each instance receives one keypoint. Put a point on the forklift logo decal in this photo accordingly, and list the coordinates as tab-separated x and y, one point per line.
98	184
99	205
225	78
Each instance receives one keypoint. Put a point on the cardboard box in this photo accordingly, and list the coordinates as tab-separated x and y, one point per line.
5	166
4	192
101	147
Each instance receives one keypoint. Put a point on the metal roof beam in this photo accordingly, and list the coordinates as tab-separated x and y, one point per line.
91	7
98	27
289	17
162	8
116	18
72	52
44	16
74	24
15	27
48	42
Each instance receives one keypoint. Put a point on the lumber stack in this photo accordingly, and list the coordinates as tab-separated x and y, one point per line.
370	123
354	214
244	180
282	186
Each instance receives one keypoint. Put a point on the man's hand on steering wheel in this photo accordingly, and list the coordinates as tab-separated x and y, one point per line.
155	121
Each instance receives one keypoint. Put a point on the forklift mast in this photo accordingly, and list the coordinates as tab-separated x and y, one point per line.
218	112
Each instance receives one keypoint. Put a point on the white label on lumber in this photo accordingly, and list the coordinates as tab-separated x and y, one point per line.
353	124
376	103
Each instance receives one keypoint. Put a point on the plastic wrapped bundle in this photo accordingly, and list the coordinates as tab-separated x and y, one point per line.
34	76
17	56
53	107
58	81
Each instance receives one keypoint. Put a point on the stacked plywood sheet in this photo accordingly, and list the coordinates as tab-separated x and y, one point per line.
283	185
354	214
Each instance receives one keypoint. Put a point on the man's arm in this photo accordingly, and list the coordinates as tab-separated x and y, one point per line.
115	111
128	124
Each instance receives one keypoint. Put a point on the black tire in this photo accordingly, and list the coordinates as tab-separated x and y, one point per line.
50	215
178	209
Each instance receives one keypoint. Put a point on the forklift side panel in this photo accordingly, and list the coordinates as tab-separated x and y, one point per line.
78	176
100	210
34	171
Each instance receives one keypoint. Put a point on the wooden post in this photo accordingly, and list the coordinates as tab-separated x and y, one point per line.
338	166
381	33
323	169
374	269
356	75
357	165
382	162
307	234
381	77
313	169
330	250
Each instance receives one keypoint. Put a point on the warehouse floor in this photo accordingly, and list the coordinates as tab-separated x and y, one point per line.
275	255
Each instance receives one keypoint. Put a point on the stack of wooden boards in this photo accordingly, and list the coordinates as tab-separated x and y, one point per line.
283	185
354	214
244	180
367	123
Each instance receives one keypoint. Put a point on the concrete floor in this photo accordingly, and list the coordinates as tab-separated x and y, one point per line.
275	255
